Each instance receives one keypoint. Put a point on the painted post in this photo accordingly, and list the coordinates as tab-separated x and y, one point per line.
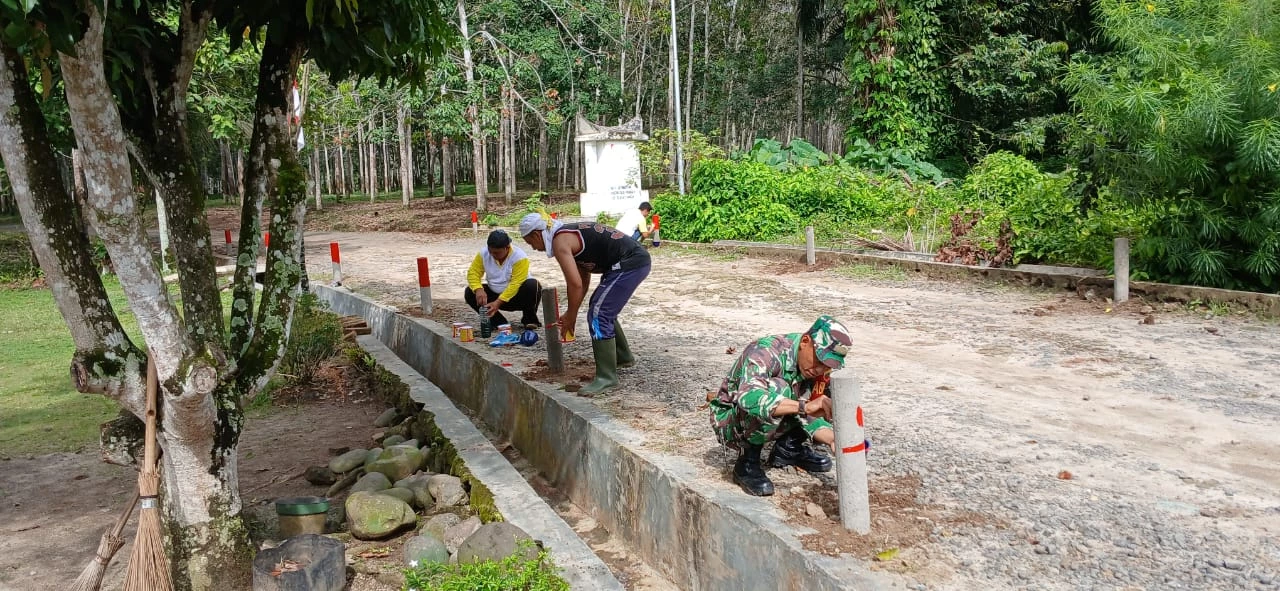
337	263
226	234
851	451
810	256
475	223
266	241
424	284
551	323
1121	284
657	224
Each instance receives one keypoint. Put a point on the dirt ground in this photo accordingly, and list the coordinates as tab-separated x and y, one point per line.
54	508
983	393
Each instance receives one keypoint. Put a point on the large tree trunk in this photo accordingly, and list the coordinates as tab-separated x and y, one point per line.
207	542
165	151
105	361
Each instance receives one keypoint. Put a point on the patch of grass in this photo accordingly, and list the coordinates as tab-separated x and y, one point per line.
513	573
40	410
883	273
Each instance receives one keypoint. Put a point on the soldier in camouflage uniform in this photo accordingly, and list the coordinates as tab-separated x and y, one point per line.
766	397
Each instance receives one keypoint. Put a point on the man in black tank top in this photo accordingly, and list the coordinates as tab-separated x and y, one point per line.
584	248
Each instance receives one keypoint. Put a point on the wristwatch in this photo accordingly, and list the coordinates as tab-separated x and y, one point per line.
802	414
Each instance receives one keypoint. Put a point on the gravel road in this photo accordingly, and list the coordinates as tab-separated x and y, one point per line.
984	393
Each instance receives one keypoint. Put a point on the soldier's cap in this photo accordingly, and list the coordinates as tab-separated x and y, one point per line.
831	341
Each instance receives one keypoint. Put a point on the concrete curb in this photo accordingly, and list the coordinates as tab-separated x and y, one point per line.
512	495
698	537
1258	302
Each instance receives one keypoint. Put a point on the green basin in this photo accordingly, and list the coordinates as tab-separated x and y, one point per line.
302	506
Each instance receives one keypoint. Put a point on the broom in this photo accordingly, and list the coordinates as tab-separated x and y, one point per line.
149	567
91	578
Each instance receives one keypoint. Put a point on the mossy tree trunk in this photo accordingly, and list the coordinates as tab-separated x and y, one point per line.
203	378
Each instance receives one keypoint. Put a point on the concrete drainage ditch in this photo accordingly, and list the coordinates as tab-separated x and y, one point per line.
497	491
698	538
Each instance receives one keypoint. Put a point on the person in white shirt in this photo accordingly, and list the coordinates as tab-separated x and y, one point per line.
635	223
509	285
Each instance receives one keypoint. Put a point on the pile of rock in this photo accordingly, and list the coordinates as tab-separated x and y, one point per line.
390	484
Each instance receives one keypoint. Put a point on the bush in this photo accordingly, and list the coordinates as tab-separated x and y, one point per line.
17	260
511	574
314	336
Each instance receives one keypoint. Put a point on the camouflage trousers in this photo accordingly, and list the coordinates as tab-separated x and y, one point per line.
735	425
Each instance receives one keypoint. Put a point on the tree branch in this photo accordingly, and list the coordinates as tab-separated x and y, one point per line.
274	172
52	218
100	133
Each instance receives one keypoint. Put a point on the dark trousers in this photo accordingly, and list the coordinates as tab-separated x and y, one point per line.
526	301
608	299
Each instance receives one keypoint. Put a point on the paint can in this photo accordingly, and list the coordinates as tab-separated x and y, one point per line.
466	334
457	328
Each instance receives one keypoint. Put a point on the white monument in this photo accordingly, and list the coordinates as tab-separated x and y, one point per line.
612	166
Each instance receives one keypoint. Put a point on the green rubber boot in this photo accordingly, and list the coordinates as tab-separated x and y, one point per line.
625	357
606	354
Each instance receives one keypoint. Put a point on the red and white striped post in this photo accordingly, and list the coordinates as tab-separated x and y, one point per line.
226	234
337	263
424	284
475	223
657	223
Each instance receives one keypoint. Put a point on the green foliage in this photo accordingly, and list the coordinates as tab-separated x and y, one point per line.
513	573
1050	220
656	160
895	67
864	155
797	155
315	335
749	200
1184	117
18	263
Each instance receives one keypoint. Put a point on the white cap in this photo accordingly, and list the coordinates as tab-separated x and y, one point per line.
532	223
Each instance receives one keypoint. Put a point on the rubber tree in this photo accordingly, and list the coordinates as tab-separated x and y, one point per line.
205	369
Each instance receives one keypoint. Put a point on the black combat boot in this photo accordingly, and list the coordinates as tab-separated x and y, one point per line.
792	449
749	475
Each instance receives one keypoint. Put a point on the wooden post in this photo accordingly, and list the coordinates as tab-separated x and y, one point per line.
1121	285
551	323
810	256
851	451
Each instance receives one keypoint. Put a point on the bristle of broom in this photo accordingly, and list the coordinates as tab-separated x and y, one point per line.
148	566
91	578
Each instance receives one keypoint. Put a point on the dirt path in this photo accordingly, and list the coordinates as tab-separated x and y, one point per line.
54	508
981	394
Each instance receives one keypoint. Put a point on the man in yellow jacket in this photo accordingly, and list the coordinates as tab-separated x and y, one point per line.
509	286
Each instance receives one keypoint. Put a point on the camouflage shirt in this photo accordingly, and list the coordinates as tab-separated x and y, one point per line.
766	373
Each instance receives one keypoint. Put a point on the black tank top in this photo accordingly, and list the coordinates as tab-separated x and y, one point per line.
606	249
